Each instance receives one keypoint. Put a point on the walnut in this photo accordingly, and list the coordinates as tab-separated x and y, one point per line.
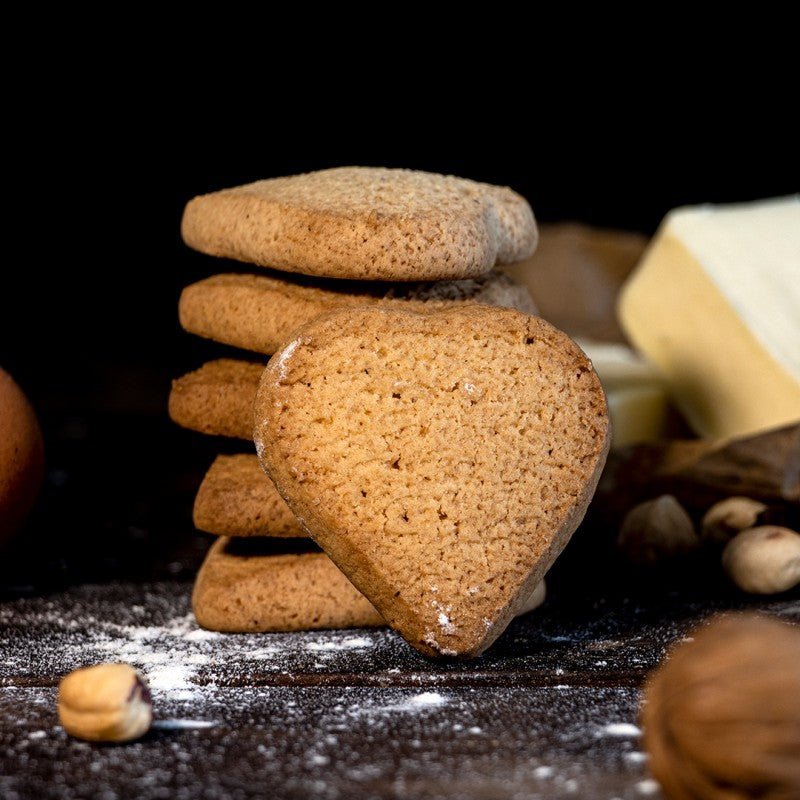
721	715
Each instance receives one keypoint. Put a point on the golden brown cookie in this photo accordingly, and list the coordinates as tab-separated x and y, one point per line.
217	398
442	460
365	222
260	312
236	498
248	586
239	589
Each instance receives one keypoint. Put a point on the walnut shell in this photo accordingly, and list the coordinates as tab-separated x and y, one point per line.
721	715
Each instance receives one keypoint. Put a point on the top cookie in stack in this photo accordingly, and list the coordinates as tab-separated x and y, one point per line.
365	223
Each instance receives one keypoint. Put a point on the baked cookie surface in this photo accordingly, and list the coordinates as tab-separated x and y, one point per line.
236	498
365	222
217	399
260	312
245	586
242	589
441	460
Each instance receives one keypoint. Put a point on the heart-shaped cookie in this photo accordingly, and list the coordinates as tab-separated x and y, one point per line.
441	460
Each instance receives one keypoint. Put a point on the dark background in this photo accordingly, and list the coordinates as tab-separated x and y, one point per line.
94	263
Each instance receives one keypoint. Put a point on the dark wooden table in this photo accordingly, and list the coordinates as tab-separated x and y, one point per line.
103	573
550	711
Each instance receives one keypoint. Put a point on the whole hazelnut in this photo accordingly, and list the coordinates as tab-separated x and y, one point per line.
763	560
655	531
725	519
721	715
105	703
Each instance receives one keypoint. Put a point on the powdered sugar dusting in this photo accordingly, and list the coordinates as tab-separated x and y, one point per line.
201	635
169	678
161	639
430	639
445	624
621	729
182	724
284	357
426	700
790	609
648	787
414	704
347	643
164	653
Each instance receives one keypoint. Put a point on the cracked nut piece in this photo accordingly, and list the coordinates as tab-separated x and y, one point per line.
763	560
655	531
725	519
105	703
721	715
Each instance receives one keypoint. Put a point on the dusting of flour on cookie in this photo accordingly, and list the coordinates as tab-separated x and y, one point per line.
285	355
445	624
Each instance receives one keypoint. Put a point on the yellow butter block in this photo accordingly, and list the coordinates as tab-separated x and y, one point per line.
638	414
715	306
637	398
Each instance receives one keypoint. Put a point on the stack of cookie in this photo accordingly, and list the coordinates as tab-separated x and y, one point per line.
347	242
262	573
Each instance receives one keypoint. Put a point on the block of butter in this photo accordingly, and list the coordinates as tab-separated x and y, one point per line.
715	305
636	395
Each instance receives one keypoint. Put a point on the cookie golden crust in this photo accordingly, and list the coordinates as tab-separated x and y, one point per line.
236	498
217	399
260	312
239	592
243	587
365	222
442	461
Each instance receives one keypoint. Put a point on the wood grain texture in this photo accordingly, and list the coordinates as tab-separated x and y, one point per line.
548	712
